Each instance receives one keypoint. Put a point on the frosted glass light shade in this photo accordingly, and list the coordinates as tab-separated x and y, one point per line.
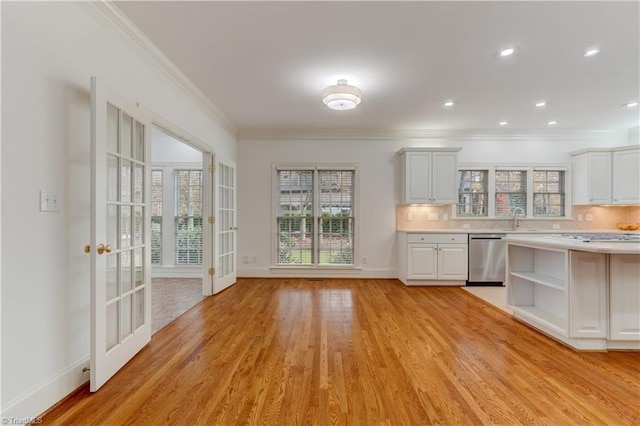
342	96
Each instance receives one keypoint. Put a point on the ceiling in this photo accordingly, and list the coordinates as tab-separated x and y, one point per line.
264	64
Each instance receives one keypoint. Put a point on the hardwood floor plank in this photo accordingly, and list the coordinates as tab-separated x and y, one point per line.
357	352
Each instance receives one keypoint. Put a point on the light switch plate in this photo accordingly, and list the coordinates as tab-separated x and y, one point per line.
49	201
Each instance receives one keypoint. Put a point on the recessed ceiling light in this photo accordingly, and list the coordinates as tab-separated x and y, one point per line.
541	104
448	104
552	123
591	52
503	123
507	52
631	104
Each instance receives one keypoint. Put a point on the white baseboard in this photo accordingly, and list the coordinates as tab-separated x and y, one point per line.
37	401
317	273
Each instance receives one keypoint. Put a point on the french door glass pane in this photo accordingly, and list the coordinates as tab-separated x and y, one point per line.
112	225
138	222
126	322
138	151
125	195
138	308
112	178
126	271
113	260
138	184
125	226
126	136
138	260
112	325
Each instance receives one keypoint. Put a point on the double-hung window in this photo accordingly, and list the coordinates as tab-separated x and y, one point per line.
188	217
315	215
501	191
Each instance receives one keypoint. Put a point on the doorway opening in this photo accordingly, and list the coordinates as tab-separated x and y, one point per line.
177	212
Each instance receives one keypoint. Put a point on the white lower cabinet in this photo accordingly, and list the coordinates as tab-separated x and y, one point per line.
588	294
624	297
433	259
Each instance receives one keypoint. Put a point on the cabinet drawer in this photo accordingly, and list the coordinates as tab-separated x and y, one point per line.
437	238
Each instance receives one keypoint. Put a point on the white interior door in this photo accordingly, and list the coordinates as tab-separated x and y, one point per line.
120	241
225	202
208	230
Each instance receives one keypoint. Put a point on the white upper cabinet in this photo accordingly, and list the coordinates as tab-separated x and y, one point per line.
592	177
429	175
626	175
607	175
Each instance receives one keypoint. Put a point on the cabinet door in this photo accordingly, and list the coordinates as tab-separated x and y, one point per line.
626	177
452	261
588	294
418	178
624	293
422	261
443	177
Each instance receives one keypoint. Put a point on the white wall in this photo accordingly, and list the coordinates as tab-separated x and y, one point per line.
378	190
49	52
167	149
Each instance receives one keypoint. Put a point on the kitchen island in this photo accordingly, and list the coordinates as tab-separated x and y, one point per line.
585	294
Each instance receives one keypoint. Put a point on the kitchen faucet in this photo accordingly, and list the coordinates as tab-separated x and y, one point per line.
515	225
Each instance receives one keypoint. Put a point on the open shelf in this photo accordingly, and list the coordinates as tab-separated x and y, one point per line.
542	279
550	320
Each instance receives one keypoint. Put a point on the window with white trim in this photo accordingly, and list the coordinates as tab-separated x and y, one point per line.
496	192
473	193
188	217
511	191
315	216
156	217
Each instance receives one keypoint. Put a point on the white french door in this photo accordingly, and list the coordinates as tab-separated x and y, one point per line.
120	237
225	202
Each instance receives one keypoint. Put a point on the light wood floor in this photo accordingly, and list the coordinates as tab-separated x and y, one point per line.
355	352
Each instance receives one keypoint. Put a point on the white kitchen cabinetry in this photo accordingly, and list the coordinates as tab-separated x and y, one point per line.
624	297
592	177
433	259
607	175
429	175
626	175
588	294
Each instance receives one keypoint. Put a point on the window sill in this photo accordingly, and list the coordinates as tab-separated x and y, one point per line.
509	218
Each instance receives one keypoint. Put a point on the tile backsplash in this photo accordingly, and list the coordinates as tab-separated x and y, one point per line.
602	218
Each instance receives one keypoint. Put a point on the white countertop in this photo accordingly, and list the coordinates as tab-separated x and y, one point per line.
519	231
597	247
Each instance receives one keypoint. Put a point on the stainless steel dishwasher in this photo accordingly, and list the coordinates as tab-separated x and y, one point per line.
487	257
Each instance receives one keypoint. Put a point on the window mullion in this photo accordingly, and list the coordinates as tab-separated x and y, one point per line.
529	199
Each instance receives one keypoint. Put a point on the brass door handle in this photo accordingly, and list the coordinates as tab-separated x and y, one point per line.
87	248
100	248
108	248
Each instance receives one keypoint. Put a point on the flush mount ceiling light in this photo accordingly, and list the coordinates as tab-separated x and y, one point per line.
591	52
552	122
503	123
342	96
504	53
541	104
448	104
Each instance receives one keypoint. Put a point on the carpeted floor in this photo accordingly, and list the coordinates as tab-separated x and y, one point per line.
171	297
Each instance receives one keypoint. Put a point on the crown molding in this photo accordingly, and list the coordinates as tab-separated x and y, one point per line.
425	135
119	24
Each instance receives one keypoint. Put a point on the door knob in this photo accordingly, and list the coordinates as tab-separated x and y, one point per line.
100	249
87	248
108	248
